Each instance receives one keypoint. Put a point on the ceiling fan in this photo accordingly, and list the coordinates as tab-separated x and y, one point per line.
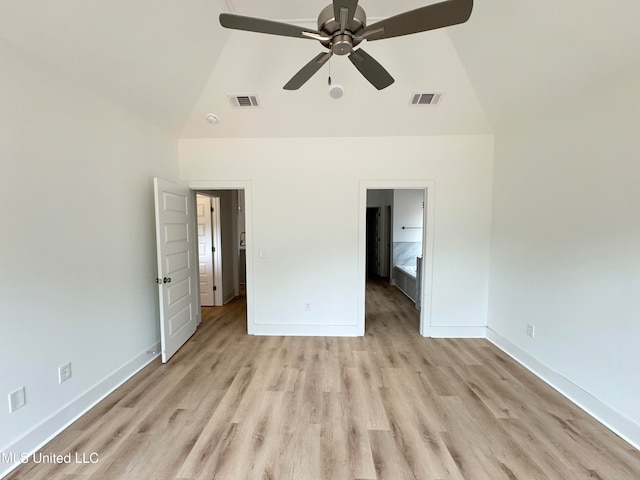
343	25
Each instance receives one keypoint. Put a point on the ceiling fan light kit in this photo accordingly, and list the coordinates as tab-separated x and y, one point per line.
336	91
342	26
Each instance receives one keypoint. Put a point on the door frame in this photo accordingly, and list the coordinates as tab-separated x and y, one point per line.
245	185
427	245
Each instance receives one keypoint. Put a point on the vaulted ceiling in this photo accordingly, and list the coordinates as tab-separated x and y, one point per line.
172	63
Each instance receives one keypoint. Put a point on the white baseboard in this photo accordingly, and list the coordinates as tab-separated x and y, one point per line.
306	330
457	332
353	331
39	436
609	417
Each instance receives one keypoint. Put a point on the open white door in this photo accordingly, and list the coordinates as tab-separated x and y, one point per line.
176	268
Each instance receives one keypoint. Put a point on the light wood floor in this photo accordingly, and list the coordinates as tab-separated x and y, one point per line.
390	405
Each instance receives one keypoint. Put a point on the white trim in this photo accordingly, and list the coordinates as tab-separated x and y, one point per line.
307	330
610	418
32	441
458	332
248	212
428	235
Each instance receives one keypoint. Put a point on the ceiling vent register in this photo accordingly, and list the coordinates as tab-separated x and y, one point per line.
244	101
419	99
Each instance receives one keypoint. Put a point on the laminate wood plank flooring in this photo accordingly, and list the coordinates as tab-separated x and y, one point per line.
390	405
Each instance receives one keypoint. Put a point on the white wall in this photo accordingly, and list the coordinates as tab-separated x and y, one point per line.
407	212
305	205
77	246
565	248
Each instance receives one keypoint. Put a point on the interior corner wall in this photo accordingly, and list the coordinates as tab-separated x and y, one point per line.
565	255
305	211
77	248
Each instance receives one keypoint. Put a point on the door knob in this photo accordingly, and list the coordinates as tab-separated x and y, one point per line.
166	280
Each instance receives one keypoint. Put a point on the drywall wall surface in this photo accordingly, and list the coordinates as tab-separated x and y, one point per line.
408	208
305	207
566	230
77	249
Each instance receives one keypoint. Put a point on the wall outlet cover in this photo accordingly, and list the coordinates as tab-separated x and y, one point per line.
531	330
17	399
64	372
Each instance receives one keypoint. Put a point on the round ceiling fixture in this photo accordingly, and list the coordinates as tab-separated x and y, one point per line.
336	91
213	119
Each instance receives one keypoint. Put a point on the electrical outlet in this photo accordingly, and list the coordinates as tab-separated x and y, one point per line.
17	399
64	372
307	307
531	330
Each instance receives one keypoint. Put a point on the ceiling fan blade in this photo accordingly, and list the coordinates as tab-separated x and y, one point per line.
260	25
308	71
371	69
431	17
350	6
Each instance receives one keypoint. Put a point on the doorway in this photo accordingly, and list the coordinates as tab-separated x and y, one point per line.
376	203
227	245
179	299
235	240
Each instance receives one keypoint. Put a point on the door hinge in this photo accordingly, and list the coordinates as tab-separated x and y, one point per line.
158	280
211	209
215	288
213	249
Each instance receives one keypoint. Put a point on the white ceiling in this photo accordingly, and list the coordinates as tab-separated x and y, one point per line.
525	56
171	62
151	56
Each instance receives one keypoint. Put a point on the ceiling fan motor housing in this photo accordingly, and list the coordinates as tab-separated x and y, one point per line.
341	43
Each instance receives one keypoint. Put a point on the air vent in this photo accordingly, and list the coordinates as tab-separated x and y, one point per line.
244	101
419	99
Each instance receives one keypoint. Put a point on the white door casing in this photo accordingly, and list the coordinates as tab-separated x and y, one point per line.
246	187
176	267
205	251
427	245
